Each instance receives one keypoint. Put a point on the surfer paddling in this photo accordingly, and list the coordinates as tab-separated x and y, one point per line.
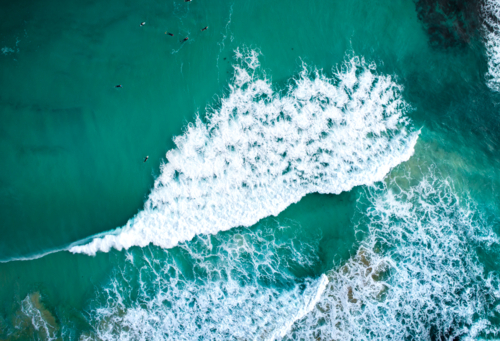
143	23
170	34
118	86
146	158
204	28
185	39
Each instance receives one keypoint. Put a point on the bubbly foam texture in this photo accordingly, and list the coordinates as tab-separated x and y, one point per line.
309	305
236	288
491	13
263	150
416	273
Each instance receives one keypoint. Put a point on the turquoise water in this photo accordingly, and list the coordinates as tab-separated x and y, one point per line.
317	170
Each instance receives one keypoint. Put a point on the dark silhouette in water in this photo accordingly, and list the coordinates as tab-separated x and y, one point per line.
143	23
146	158
170	34
118	86
450	23
204	28
185	39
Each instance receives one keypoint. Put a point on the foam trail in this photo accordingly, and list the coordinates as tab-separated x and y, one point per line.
491	13
31	257
263	150
417	275
307	308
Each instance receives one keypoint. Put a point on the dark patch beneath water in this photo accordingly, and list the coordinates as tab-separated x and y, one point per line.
450	23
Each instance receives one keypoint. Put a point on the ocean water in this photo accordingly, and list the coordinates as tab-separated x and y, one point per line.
316	171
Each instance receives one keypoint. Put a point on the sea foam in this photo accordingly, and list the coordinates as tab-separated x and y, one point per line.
237	286
262	150
491	14
417	274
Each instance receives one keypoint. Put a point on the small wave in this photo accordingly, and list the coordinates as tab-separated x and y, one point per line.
263	150
417	275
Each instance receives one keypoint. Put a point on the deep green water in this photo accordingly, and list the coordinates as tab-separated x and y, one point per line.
72	149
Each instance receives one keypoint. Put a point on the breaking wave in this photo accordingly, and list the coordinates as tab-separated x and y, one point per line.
263	150
239	287
417	274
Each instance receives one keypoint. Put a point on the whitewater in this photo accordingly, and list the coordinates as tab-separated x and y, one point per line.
241	288
491	13
262	150
416	274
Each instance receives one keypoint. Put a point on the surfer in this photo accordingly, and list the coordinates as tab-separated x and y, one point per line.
146	158
170	34
204	28
185	39
118	86
143	23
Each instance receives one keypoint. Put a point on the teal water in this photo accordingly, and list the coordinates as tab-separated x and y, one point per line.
358	203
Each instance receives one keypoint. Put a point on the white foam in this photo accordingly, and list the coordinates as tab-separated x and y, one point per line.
239	289
263	150
416	273
491	13
313	299
31	257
